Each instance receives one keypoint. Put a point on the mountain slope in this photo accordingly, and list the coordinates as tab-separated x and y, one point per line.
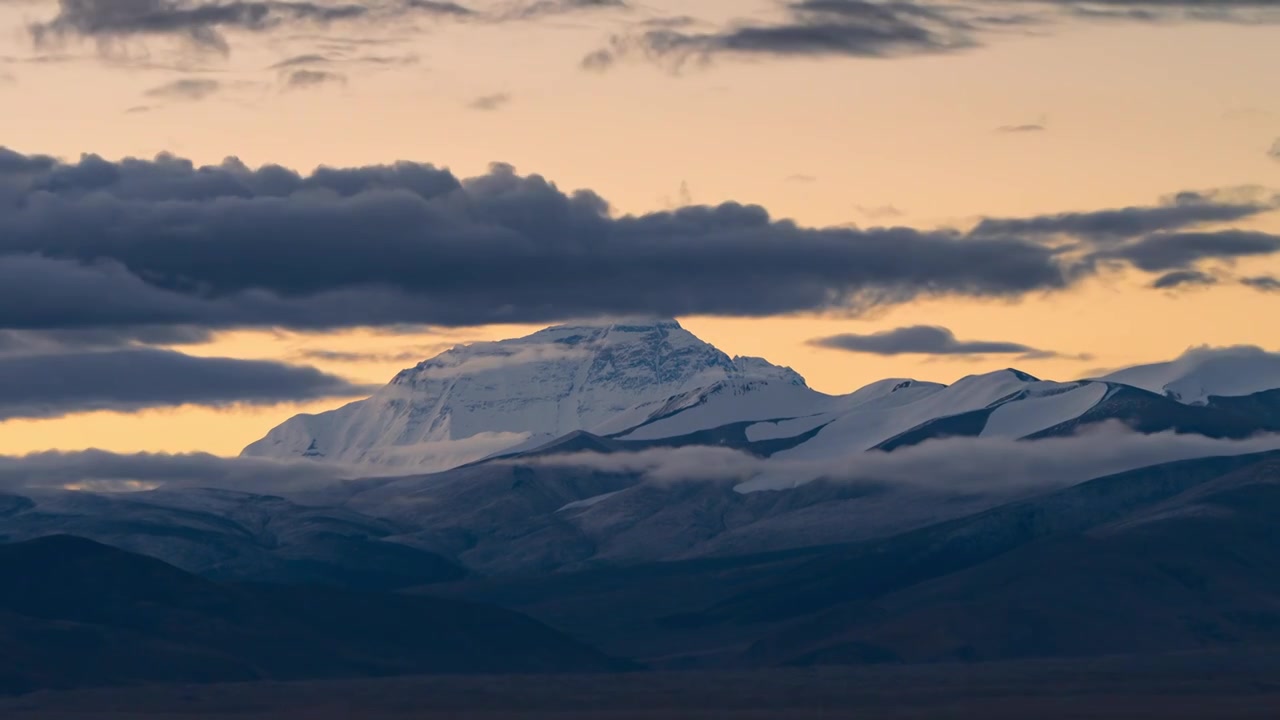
651	382
1201	373
77	613
236	536
481	399
1194	571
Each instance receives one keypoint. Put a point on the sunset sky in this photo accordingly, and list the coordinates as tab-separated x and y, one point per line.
1066	187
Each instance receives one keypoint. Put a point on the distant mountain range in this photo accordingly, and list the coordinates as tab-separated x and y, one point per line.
637	489
653	382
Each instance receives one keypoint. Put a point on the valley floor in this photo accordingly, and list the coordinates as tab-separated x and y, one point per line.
1185	687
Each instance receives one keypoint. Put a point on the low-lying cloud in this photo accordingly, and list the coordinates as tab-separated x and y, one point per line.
955	465
106	471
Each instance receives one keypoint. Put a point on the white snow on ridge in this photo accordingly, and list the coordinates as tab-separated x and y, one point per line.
874	422
729	402
1201	372
646	380
1043	409
893	392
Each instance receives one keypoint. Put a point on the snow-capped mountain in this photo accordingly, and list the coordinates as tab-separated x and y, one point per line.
1201	373
646	383
477	400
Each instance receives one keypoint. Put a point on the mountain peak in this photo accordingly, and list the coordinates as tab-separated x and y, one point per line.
475	400
1203	372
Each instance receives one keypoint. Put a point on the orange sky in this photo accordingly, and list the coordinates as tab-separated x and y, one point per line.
1133	113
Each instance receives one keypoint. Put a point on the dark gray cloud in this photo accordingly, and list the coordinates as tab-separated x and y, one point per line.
1275	150
307	79
162	242
1179	279
185	89
892	28
815	28
489	103
95	243
1180	251
1233	11
1187	209
202	22
52	342
537	9
925	340
338	58
1263	283
439	7
53	385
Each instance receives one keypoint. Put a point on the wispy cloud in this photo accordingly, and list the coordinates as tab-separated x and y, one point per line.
1021	129
897	28
185	89
1263	283
878	212
489	103
1184	279
203	24
310	79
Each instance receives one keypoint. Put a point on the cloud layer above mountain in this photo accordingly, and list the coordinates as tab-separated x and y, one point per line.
926	340
97	243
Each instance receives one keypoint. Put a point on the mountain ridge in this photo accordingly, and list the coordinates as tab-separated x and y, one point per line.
648	380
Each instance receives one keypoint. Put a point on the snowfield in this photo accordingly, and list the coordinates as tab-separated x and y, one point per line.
652	381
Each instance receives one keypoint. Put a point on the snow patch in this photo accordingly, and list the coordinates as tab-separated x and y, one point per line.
1047	408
